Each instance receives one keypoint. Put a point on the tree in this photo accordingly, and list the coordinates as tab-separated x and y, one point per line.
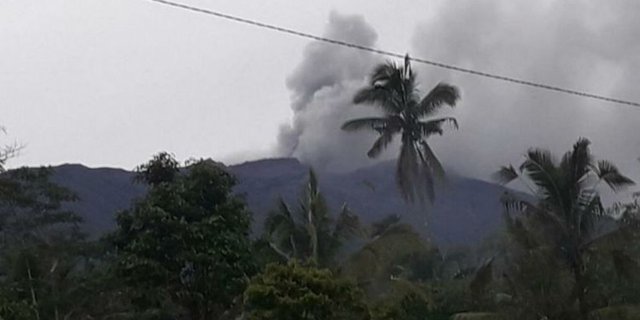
535	281
394	89
7	152
163	167
406	277
567	206
184	248
407	302
384	258
308	232
294	291
41	244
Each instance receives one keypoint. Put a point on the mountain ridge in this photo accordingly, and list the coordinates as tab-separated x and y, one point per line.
466	211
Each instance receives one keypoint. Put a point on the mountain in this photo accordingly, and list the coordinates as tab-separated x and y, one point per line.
465	211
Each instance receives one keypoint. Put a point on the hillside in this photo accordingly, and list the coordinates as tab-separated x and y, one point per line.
465	211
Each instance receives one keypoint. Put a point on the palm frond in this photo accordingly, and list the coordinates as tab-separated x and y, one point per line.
576	163
393	79
381	226
381	143
432	127
279	220
313	190
442	94
505	175
379	96
376	124
347	224
512	203
540	168
609	173
396	82
432	162
383	73
517	205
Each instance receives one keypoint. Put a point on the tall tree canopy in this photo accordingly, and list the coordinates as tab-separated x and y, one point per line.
186	243
394	90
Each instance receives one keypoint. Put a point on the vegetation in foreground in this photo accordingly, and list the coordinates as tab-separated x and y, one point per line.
184	252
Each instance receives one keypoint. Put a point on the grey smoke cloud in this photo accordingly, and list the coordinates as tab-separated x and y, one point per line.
583	46
590	46
322	87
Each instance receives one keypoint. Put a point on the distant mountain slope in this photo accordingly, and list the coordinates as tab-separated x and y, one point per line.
465	212
102	193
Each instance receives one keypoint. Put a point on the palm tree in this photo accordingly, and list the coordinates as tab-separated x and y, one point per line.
568	204
382	259
309	233
393	88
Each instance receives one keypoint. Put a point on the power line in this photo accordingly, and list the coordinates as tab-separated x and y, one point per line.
396	55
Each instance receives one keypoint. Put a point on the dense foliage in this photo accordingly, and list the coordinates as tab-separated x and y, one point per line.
185	246
294	291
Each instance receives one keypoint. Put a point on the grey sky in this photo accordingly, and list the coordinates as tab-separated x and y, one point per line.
108	83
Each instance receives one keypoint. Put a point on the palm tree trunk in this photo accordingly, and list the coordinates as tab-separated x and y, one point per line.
294	250
313	235
34	300
580	286
311	227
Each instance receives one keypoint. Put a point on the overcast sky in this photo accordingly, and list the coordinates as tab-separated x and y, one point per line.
109	83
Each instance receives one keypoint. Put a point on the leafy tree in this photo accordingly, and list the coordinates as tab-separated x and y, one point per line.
15	310
308	232
294	291
163	167
615	260
406	277
567	206
413	305
41	244
393	88
184	248
31	208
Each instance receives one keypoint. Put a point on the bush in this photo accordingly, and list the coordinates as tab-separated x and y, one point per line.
294	291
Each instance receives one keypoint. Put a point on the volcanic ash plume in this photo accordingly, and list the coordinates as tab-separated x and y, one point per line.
585	46
322	88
